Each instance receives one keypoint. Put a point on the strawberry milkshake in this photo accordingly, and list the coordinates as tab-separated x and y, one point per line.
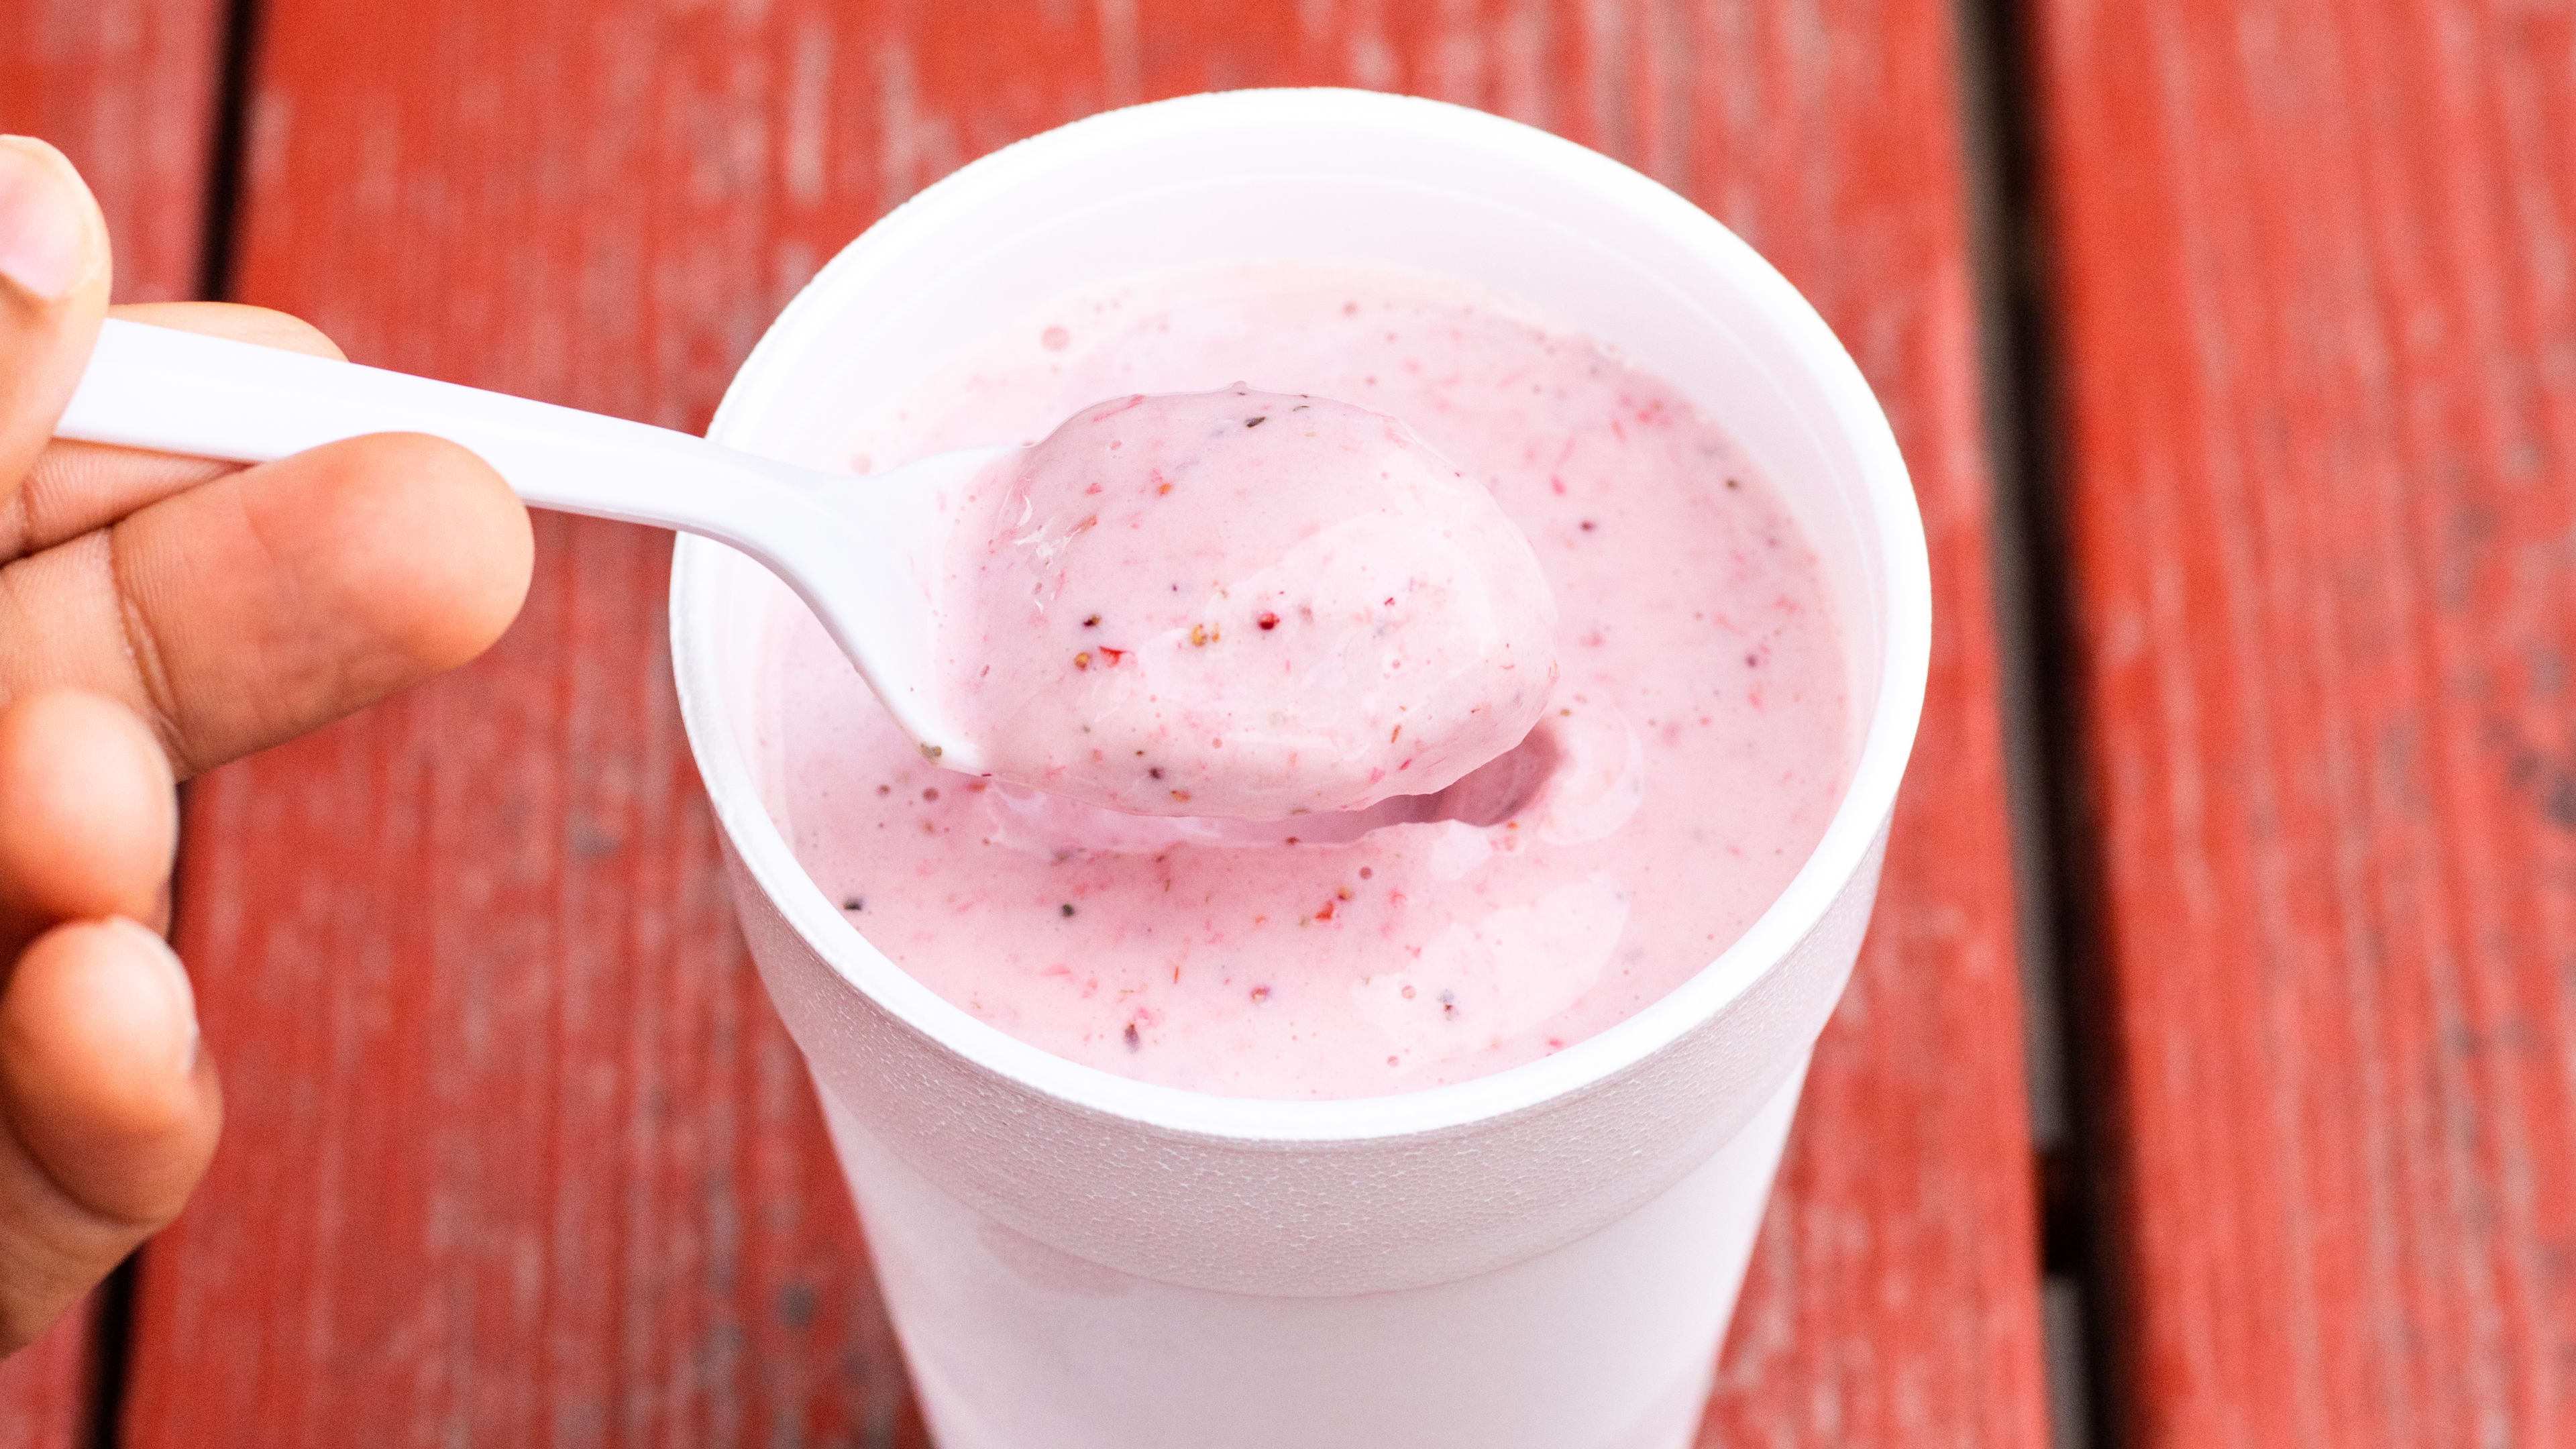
1569	763
1240	605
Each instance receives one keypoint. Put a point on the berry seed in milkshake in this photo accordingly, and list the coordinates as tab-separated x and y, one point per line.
1684	761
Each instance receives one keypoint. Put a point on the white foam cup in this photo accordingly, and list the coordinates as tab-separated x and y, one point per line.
1543	1258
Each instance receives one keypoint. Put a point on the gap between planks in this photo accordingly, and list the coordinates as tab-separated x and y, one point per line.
2008	248
227	122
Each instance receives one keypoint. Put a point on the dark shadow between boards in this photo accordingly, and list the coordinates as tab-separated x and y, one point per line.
111	1346
2056	855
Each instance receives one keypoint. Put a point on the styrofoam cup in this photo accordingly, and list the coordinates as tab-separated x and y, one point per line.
1543	1258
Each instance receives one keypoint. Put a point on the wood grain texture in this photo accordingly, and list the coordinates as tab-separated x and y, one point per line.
47	1388
2321	351
125	88
517	1153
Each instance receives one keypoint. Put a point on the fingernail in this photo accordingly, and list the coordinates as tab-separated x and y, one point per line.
173	977
44	226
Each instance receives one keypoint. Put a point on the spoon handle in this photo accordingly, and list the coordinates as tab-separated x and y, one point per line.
182	392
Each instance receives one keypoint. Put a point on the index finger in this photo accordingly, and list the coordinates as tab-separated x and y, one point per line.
271	601
75	487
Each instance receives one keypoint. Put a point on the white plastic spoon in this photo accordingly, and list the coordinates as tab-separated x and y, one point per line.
847	548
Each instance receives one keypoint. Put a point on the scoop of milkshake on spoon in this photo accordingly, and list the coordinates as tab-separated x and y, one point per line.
1239	604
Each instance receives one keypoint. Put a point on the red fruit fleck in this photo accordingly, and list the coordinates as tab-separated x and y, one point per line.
1268	621
1326	913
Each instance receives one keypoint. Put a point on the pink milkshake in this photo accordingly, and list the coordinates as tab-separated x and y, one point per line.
1239	605
1683	763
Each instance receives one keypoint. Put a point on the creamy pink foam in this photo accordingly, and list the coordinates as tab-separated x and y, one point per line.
1239	604
1693	749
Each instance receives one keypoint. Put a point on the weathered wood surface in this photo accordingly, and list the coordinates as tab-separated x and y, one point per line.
517	1153
125	88
2320	347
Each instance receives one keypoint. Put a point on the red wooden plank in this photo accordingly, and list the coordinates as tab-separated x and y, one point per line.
2321	349
125	88
516	1150
46	1388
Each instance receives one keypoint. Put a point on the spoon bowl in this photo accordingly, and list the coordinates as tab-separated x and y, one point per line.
861	553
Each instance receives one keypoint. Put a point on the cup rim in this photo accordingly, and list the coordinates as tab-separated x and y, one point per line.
1868	798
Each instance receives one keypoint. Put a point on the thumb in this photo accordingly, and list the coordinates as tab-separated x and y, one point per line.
109	1107
53	290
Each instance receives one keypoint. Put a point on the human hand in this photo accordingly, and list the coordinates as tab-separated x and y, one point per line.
158	616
